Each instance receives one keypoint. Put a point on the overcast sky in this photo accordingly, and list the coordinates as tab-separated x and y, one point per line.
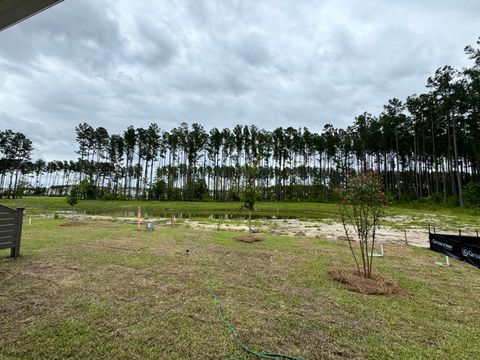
220	63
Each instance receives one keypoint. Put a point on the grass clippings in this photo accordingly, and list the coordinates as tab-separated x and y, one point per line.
74	223
249	239
376	285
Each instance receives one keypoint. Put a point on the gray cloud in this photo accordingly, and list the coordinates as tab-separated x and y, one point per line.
48	142
252	48
270	63
80	34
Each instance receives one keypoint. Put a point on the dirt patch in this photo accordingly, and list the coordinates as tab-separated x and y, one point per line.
249	239
74	223
377	285
329	230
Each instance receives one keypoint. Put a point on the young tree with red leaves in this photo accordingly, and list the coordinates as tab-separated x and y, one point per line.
361	207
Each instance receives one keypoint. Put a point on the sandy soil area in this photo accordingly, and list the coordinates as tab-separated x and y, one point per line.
335	231
330	231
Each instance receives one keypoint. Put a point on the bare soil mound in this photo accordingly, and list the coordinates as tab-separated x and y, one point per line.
377	285
248	239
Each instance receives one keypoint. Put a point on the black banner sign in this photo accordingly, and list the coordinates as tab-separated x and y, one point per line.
466	248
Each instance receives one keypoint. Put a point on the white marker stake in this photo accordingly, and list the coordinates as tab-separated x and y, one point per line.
29	221
446	259
138	220
381	248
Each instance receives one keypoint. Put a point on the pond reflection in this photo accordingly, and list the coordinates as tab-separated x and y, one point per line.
184	215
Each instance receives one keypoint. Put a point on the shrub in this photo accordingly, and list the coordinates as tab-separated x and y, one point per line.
472	193
157	190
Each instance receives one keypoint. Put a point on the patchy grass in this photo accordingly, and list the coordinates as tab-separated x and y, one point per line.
107	291
444	218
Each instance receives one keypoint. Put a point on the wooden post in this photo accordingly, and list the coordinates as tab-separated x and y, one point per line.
15	251
138	220
459	232
405	232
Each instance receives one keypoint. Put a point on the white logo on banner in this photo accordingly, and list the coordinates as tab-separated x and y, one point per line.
439	243
470	254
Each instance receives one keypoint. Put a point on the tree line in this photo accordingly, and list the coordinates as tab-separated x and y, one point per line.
427	146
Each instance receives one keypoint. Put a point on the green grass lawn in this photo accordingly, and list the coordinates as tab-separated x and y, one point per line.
102	290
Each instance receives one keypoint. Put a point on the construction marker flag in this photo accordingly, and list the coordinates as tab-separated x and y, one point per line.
466	248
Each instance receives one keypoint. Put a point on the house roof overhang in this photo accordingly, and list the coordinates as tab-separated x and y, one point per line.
14	11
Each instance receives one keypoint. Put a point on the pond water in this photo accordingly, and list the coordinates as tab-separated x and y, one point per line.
185	215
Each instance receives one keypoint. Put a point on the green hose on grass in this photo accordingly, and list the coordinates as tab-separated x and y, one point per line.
231	329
